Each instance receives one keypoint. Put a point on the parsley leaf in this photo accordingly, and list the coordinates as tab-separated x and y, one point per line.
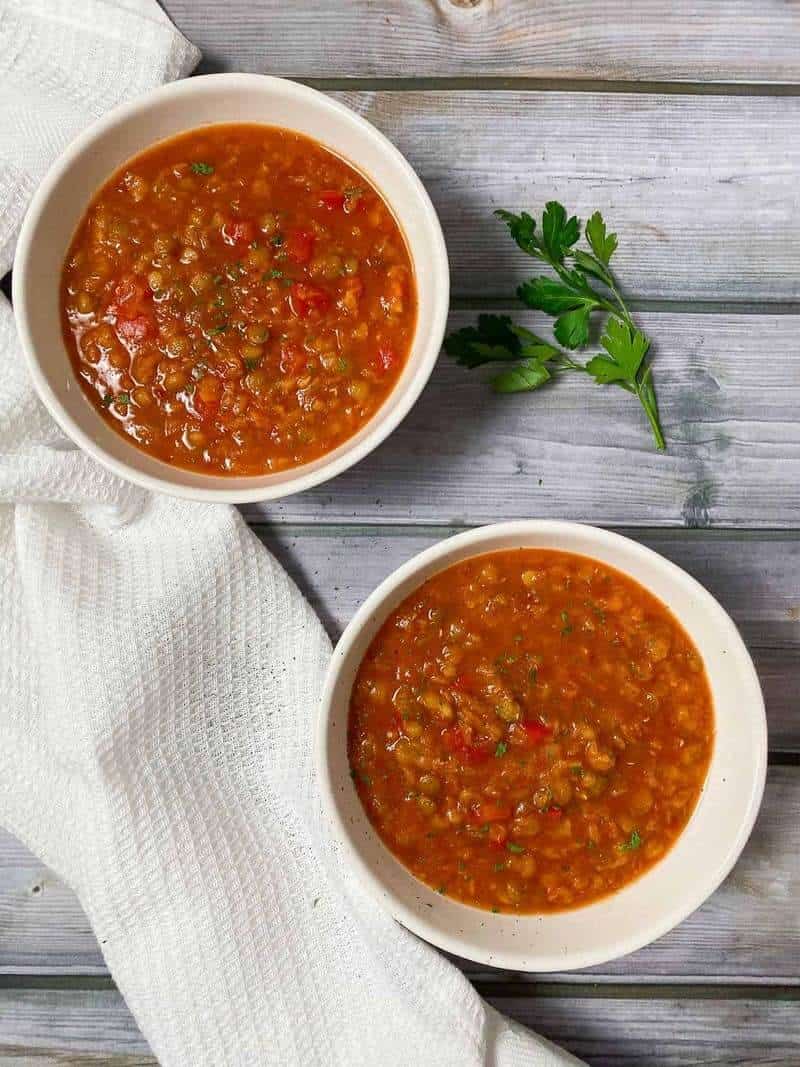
523	230
603	244
512	847
501	749
571	297
559	232
523	378
495	340
573	308
633	842
202	168
626	348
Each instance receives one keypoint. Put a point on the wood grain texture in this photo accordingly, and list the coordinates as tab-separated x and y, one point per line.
749	931
702	190
686	40
756	578
729	392
85	1028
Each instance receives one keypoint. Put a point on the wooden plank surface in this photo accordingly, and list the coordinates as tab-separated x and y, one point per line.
685	40
702	190
729	392
749	931
505	103
73	1028
756	576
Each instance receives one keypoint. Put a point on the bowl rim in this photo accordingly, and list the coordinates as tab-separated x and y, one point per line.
376	605
382	423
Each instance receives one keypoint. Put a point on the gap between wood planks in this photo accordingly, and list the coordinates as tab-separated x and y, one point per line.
504	83
503	986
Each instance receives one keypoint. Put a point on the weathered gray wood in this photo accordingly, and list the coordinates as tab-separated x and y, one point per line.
747	932
702	190
73	1027
79	1028
729	391
756	578
695	40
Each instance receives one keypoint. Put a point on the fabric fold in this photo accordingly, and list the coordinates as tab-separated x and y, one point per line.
160	675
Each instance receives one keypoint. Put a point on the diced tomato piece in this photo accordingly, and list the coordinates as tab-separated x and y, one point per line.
127	289
305	298
487	811
533	733
498	834
385	359
456	740
477	753
465	683
238	232
293	358
453	739
331	199
135	330
131	298
554	813
300	246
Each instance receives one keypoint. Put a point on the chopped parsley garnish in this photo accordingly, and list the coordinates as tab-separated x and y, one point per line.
633	842
533	674
221	328
342	365
276	240
577	770
442	889
495	911
202	168
274	273
251	362
513	847
498	866
501	749
567	625
123	398
108	399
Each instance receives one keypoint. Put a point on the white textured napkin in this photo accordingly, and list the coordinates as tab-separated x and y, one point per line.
159	675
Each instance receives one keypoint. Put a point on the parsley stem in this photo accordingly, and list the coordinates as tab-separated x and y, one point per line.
647	398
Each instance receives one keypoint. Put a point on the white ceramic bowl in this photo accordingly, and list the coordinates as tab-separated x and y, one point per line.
661	898
89	161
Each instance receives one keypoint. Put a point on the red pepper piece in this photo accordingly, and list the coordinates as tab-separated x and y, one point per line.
533	733
305	298
385	359
331	199
300	246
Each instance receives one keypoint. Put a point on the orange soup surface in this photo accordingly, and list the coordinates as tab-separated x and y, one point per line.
530	731
238	300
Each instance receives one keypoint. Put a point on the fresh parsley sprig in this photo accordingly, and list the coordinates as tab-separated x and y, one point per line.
571	298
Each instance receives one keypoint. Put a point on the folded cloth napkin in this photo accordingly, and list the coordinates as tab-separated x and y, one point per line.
159	675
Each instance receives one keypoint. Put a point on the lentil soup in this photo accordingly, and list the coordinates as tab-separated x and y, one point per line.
530	731
238	300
